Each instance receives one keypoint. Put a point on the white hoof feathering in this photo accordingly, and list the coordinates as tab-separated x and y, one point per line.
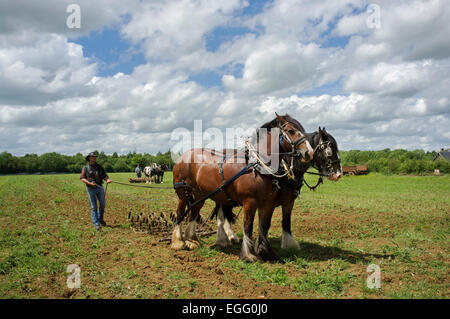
246	250
230	234
287	241
192	244
222	238
177	239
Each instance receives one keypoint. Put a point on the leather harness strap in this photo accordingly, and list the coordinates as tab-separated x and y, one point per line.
232	202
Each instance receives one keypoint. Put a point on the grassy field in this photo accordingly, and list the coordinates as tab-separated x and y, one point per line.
400	223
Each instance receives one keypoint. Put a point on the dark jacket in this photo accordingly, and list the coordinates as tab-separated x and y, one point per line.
94	173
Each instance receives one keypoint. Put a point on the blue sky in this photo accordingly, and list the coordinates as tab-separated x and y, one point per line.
228	63
114	53
111	50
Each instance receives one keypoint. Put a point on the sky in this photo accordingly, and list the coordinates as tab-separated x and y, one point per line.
376	74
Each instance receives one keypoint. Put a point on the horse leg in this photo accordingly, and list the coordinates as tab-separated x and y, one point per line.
190	234
247	249
229	220
221	237
178	242
287	241
263	248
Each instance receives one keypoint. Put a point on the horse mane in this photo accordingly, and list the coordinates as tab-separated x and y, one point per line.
275	123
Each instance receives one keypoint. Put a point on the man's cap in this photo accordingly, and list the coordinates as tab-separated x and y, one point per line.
90	154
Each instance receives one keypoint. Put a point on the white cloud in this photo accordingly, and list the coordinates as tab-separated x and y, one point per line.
390	85
43	68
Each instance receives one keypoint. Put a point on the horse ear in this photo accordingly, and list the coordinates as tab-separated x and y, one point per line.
321	134
280	118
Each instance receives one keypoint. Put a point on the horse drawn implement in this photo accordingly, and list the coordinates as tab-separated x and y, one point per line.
355	170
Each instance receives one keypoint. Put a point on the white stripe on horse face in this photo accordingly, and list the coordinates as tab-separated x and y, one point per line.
310	149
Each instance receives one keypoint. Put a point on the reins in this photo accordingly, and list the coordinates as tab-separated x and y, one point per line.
313	188
142	186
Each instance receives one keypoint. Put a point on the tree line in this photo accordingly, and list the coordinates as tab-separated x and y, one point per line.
54	162
396	161
385	161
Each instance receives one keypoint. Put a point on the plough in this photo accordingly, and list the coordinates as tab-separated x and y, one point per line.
162	224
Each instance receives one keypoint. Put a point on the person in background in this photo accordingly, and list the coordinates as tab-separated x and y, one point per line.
93	175
138	171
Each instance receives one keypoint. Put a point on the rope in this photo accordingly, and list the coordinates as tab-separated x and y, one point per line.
160	187
313	188
319	174
138	198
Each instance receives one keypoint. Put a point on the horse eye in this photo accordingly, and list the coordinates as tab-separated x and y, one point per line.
292	132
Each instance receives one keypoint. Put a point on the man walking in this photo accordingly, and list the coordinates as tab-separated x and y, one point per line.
93	175
138	171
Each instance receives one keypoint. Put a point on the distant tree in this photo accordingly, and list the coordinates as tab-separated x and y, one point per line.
137	159
101	157
383	161
52	162
7	163
31	163
121	166
108	167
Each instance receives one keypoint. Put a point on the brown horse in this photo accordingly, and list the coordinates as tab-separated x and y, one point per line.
203	171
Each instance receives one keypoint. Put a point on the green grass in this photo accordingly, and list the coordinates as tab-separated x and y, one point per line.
400	223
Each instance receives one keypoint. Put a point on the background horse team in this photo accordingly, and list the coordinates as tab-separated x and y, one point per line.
155	173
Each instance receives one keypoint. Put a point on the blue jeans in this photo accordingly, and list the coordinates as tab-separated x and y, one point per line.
97	193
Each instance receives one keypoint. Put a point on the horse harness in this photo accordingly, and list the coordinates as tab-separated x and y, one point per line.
325	147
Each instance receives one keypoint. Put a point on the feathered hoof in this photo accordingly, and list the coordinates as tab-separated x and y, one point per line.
178	245
249	257
192	244
222	243
177	239
235	240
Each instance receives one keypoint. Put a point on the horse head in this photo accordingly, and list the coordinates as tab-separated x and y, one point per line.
293	138
326	156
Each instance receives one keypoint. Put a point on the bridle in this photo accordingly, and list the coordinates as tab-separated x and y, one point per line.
294	152
323	150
